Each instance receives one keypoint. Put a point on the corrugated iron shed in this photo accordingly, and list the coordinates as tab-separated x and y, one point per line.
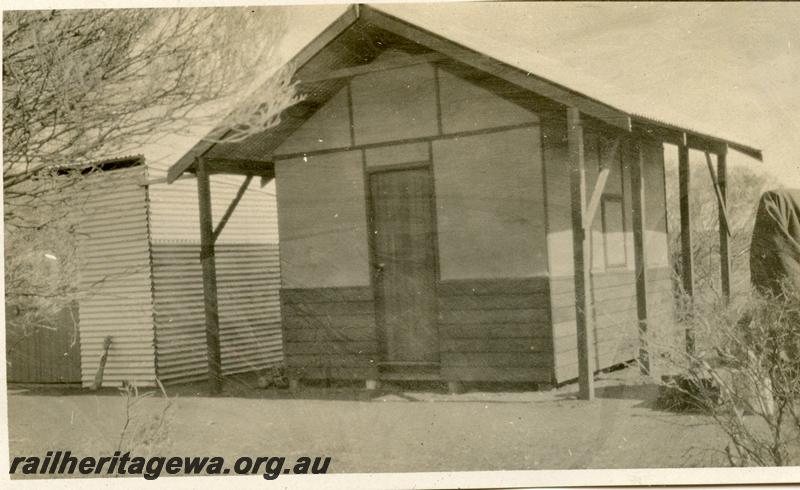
116	281
142	283
248	279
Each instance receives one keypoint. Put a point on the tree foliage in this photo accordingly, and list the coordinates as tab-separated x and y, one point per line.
745	369
745	374
80	86
744	189
85	84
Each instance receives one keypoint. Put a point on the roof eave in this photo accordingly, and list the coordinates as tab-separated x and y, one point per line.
344	21
564	95
676	135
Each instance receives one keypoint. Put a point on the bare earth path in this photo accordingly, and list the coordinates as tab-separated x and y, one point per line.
391	432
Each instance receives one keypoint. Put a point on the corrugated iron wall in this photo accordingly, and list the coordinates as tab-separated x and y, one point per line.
115	279
248	279
249	311
175	216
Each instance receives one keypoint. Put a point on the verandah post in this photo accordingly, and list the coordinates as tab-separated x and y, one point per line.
724	231
208	264
580	247
687	257
638	217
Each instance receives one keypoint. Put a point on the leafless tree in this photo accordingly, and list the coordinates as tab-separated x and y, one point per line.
744	189
82	85
745	374
744	371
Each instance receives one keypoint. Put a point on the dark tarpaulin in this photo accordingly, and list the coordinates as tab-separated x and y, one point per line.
775	246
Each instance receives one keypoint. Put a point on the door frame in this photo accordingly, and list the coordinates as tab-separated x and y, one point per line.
379	307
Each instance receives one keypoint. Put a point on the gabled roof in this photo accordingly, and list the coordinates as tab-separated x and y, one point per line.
361	28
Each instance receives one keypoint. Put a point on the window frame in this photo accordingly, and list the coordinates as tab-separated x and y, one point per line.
615	197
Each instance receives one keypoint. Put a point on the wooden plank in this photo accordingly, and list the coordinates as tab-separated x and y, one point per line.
368	348
723	214
639	249
687	256
600	280
497	345
336	372
581	252
487	331
594	202
324	335
704	144
264	169
498	374
329	309
209	278
495	359
479	287
528	316
601	294
566	313
331	360
326	295
724	227
566	345
497	302
608	354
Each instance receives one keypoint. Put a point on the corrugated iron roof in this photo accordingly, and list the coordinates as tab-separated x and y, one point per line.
620	107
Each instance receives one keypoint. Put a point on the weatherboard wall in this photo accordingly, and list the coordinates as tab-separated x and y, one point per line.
492	287
612	284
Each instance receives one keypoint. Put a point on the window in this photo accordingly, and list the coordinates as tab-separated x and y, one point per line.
612	205
613	230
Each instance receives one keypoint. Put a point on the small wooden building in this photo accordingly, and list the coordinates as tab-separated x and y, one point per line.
432	202
142	282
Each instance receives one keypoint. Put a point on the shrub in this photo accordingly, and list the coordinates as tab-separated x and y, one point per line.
745	373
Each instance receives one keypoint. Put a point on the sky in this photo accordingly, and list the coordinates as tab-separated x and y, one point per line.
729	69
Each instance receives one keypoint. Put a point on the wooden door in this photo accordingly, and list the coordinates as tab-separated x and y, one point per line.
404	265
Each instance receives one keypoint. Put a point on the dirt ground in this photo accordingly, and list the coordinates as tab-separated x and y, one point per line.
397	429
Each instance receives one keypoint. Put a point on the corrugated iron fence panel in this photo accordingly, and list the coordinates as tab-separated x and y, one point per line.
248	281
46	355
115	280
175	215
